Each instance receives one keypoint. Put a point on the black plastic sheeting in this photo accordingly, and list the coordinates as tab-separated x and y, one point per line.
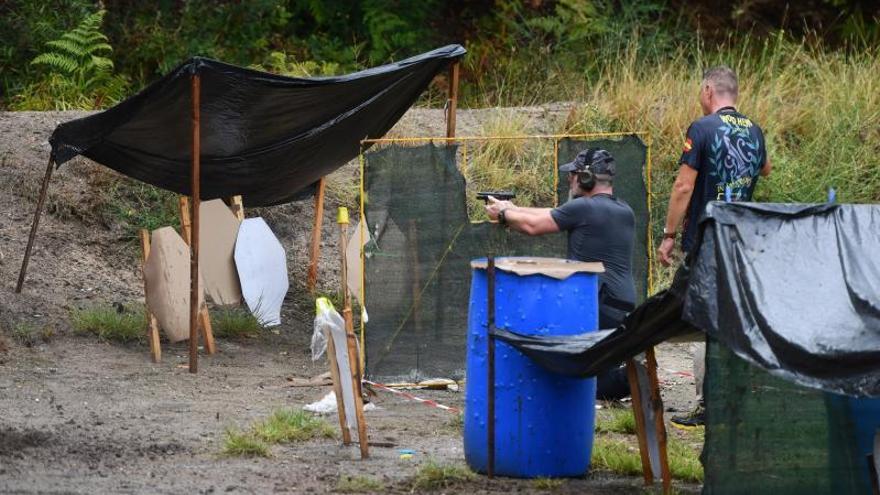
588	354
263	136
794	289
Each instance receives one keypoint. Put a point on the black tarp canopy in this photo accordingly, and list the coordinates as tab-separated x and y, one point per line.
793	289
263	136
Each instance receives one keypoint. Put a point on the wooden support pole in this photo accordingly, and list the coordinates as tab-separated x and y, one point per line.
195	188
185	225
337	389
237	207
452	100
353	360
205	327
152	323
636	394
316	237
41	200
659	425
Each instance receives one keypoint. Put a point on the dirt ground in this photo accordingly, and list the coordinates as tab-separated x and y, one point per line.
84	416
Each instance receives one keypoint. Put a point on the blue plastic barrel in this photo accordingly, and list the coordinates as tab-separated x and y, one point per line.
543	421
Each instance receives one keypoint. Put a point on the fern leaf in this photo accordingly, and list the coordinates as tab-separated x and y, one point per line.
100	47
102	63
77	38
56	61
67	46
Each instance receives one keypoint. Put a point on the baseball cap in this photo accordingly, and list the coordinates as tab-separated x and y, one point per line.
599	161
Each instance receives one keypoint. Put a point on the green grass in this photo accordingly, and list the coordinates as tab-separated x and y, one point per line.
522	166
548	484
133	205
433	476
285	426
359	484
108	323
244	444
617	455
234	323
29	335
282	426
620	454
615	420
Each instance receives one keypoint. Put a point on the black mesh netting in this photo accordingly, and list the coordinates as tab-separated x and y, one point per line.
421	243
768	435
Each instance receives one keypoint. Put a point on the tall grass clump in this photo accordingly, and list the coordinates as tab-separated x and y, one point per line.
235	323
109	322
285	425
244	444
524	166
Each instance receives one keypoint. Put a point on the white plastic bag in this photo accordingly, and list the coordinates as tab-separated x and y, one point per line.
330	324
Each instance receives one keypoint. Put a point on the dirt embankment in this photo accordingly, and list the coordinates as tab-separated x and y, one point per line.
84	416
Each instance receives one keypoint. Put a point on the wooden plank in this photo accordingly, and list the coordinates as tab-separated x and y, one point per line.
452	101
636	394
207	330
316	237
351	342
152	323
39	211
237	207
337	390
195	188
185	225
660	425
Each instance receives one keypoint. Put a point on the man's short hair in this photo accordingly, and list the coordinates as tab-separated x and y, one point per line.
723	80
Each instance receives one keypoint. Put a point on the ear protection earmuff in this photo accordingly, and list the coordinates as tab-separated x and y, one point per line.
586	178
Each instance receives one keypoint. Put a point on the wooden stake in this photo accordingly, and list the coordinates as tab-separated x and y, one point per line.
207	330
152	323
41	200
205	327
659	424
237	207
316	236
185	225
337	389
636	394
452	101
195	188
353	360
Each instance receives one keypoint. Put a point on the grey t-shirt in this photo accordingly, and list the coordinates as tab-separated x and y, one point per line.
602	228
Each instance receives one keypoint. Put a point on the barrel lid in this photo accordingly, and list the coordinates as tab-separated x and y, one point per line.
552	267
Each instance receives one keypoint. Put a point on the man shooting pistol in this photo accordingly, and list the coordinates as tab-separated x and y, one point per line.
600	227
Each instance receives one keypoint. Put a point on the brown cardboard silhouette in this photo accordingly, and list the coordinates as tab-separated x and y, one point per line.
219	228
167	274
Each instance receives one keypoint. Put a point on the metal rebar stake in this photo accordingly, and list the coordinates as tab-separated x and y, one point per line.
490	422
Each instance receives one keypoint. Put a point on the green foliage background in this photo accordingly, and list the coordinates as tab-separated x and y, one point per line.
520	51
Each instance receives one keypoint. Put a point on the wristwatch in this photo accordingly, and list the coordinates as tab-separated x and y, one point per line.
501	217
669	235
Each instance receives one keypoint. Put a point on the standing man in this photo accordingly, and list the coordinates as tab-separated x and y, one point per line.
600	227
724	153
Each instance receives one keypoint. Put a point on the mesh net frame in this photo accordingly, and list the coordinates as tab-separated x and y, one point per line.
421	240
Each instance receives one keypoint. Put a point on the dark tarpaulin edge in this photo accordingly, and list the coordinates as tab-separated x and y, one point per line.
708	289
267	169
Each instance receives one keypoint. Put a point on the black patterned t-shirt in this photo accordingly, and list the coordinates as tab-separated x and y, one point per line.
727	150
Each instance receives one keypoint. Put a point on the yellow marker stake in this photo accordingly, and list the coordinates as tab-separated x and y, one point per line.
342	216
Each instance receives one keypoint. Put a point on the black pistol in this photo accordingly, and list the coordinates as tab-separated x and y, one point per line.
499	195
